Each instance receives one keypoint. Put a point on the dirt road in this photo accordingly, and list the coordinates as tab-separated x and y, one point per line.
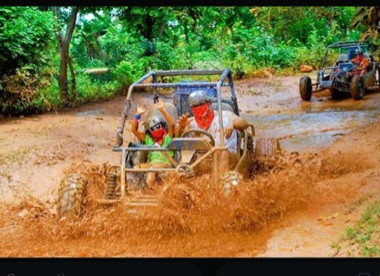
278	213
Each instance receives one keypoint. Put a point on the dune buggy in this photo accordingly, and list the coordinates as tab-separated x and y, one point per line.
354	70
120	183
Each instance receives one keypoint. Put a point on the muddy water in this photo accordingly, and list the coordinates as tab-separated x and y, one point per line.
91	112
313	127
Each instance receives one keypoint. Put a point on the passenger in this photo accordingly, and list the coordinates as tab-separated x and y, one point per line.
207	119
155	134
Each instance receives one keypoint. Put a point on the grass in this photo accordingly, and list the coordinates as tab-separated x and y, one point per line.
364	237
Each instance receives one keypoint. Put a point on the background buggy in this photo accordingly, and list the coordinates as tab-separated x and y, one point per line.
345	76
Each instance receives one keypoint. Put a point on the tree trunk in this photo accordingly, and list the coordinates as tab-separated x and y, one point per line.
64	45
149	28
63	89
231	28
73	92
194	25
161	29
186	32
92	52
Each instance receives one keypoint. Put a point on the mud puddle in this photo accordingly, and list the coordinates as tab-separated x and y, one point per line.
311	128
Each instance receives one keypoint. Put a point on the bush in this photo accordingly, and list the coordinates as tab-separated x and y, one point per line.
24	38
89	90
48	98
25	52
127	72
20	90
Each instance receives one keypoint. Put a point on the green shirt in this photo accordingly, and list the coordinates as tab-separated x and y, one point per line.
157	156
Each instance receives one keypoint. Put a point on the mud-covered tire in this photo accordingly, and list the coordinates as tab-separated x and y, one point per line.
357	88
70	195
305	88
267	147
335	94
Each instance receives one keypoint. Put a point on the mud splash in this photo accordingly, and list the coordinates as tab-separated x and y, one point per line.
189	208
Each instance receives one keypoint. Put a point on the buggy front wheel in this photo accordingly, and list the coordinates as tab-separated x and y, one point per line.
70	195
357	88
305	88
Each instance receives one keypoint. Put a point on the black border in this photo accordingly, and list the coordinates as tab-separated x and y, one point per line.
190	266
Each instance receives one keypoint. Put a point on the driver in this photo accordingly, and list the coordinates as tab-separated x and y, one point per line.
207	119
358	57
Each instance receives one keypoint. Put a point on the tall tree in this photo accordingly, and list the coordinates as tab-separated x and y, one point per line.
65	60
149	22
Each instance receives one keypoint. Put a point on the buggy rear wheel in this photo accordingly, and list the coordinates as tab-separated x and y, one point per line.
305	88
70	195
357	88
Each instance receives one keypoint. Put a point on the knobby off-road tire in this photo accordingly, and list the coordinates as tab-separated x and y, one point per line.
305	88
70	195
267	147
357	88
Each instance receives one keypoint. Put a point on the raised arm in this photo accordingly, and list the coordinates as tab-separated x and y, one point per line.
135	124
169	119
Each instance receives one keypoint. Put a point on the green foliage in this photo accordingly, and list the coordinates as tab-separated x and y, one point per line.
366	234
20	90
369	18
127	72
48	97
89	90
130	41
25	37
25	51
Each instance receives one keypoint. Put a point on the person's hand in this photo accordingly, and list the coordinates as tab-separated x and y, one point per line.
119	140
160	104
228	131
183	121
141	108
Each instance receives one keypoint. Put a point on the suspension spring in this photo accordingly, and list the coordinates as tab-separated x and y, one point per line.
110	185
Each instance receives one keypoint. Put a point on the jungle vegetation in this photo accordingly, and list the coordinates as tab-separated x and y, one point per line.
55	57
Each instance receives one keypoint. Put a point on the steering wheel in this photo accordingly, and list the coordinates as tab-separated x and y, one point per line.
198	132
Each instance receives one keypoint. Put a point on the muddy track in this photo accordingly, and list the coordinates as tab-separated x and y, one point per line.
289	209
